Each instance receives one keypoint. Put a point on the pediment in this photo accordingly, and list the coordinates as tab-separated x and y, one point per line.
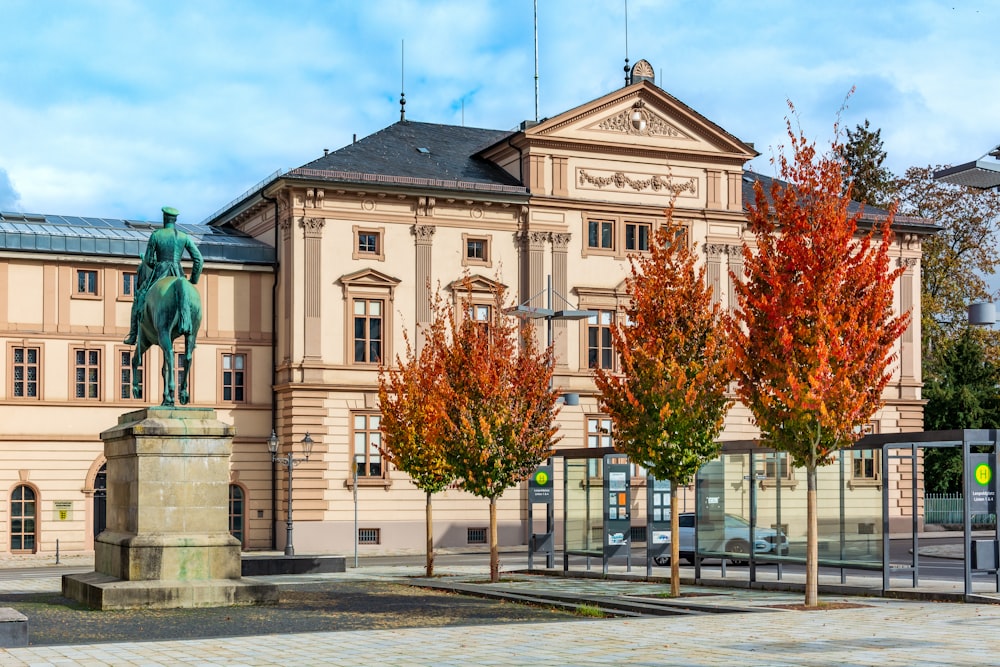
475	283
663	123
368	278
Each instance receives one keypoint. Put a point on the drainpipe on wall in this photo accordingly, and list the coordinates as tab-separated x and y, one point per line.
274	373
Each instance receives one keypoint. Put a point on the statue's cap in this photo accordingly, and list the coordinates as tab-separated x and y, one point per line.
170	210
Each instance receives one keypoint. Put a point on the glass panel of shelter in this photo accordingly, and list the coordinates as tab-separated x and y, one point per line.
756	486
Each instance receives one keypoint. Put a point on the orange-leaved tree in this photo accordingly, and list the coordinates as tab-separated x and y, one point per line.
814	331
413	418
499	405
668	403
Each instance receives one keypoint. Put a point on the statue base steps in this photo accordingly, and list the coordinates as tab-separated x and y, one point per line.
167	542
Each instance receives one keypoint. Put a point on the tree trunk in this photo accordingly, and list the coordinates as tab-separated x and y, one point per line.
675	547
812	540
430	537
494	550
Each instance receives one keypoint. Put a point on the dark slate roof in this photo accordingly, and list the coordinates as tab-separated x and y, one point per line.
30	232
870	213
419	153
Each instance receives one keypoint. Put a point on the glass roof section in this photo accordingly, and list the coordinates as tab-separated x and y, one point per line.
31	232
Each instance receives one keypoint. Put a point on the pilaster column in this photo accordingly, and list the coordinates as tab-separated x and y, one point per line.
735	253
423	241
560	284
907	355
713	269
312	229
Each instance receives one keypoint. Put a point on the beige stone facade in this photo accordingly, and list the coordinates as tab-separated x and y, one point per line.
360	238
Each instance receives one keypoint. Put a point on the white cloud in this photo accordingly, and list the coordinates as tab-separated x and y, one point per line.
9	197
115	108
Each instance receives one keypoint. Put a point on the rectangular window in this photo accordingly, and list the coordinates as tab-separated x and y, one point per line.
128	283
367	440
368	243
865	464
87	374
476	536
601	234
598	436
475	249
368	331
637	236
599	351
125	376
25	372
180	372
86	282
234	378
481	314
773	465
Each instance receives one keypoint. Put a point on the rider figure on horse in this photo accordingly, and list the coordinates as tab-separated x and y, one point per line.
162	258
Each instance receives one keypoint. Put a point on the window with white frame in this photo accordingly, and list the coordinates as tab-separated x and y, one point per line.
234	371
600	353
125	376
367	439
87	374
25	372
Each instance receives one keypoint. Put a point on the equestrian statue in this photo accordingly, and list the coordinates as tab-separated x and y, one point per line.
166	305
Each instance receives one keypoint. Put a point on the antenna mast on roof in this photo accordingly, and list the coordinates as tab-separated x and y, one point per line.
536	61
627	77
402	80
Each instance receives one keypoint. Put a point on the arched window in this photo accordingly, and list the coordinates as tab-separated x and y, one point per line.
22	519
101	500
236	511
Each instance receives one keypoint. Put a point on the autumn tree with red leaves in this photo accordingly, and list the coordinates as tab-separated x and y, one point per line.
668	402
412	406
499	405
814	331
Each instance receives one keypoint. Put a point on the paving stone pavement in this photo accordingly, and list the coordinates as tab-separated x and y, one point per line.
874	631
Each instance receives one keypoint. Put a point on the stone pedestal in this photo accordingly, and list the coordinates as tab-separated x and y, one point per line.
167	542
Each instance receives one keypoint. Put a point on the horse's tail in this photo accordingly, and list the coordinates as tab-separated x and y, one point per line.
184	322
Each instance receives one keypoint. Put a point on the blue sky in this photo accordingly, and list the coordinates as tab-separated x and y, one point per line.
114	108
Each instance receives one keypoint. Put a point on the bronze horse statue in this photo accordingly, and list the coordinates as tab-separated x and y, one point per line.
172	310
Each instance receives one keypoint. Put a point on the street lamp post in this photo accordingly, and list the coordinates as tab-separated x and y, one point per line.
289	461
526	311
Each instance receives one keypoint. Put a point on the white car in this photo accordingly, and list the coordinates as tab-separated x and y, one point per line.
734	539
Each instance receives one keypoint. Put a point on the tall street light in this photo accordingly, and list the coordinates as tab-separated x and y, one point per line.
525	311
289	461
982	174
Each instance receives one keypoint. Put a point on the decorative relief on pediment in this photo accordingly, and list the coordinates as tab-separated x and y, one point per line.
638	182
649	125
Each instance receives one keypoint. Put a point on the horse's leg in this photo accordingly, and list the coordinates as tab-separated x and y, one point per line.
141	343
189	344
168	365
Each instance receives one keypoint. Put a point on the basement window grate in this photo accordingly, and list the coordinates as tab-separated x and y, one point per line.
477	536
369	536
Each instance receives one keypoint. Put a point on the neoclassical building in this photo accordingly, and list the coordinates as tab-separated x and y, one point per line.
311	279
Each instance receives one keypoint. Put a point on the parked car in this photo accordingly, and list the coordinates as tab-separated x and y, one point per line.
734	538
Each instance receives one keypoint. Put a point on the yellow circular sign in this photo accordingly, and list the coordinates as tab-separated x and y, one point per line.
983	474
541	478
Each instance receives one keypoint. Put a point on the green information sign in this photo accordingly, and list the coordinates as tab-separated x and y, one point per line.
982	500
540	485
